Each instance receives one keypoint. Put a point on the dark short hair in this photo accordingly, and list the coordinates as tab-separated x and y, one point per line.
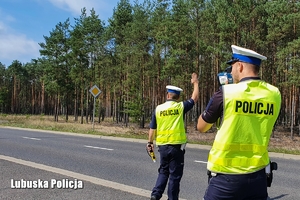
174	96
255	68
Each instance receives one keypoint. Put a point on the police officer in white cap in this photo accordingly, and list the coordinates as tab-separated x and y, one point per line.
248	110
168	124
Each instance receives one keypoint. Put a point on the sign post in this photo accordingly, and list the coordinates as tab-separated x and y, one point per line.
95	91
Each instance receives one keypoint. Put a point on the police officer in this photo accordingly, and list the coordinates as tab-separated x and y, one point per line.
248	110
168	125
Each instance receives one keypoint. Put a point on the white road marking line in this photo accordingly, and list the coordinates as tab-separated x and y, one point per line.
31	138
98	148
199	161
91	179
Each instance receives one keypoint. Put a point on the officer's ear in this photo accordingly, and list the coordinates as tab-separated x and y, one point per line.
169	95
240	67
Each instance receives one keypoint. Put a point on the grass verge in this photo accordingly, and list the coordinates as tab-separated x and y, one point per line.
280	144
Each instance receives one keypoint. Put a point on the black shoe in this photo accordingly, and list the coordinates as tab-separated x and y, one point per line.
153	198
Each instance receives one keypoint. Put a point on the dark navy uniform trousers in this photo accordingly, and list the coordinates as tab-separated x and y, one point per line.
237	187
171	169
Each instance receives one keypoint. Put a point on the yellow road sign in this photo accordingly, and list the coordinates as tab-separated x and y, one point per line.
95	91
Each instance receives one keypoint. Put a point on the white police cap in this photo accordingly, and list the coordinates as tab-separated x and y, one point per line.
173	89
245	55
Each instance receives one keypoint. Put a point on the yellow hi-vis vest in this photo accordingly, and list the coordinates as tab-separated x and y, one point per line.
251	109
170	123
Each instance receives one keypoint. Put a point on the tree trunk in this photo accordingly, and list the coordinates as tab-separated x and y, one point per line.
76	105
81	105
43	98
67	107
87	107
32	98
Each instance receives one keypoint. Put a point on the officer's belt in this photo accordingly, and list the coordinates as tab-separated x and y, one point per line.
178	146
213	174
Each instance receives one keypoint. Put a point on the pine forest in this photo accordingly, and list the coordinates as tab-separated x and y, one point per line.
145	46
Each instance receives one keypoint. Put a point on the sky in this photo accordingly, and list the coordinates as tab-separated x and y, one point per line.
24	23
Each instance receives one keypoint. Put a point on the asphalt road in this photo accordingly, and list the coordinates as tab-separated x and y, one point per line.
108	168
